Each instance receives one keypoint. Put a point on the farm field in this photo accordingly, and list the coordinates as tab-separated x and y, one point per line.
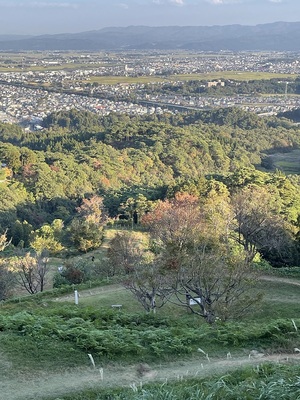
71	66
241	76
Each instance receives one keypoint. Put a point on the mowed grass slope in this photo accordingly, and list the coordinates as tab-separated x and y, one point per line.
289	162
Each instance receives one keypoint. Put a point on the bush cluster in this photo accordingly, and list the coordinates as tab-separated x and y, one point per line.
116	335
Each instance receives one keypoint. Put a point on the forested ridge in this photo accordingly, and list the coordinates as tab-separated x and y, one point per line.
46	175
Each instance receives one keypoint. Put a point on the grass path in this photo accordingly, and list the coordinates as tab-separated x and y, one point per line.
278	279
109	289
52	384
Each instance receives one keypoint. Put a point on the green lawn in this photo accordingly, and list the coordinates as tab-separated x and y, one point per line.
289	163
281	300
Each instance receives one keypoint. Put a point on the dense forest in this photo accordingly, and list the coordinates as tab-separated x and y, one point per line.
125	164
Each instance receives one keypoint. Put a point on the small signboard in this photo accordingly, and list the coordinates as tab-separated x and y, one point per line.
194	301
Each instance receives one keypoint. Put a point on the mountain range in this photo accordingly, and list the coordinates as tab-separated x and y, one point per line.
277	36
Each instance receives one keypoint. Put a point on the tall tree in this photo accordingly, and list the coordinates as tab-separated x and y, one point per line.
128	253
85	235
86	230
174	225
257	223
48	238
134	208
215	281
31	271
3	241
148	284
6	275
208	273
91	209
125	252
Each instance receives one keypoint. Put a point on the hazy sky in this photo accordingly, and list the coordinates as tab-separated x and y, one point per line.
58	16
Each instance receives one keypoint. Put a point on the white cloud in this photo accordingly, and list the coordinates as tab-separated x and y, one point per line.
177	2
172	2
124	6
216	2
275	1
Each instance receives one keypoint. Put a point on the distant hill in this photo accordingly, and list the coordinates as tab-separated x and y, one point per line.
6	38
277	36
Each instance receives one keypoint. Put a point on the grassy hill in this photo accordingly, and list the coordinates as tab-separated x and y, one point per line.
45	342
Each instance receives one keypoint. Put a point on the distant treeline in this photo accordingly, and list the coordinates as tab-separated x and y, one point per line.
293	115
231	87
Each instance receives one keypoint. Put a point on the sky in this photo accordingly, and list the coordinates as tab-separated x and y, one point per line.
34	17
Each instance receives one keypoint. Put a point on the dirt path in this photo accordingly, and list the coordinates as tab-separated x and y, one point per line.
22	387
279	279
